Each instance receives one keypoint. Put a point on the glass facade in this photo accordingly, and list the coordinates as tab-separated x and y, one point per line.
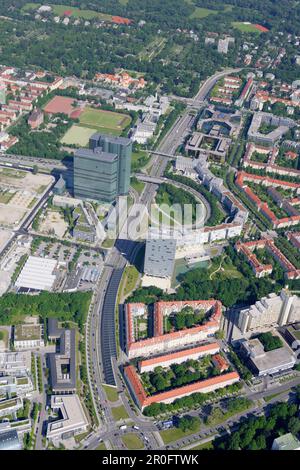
102	172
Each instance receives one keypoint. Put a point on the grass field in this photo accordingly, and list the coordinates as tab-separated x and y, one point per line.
139	159
101	446
205	446
200	13
245	28
104	121
131	276
137	185
173	434
111	393
119	412
78	135
76	12
132	441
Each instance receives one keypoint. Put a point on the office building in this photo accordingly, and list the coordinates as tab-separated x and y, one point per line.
281	126
62	363
160	257
28	336
102	172
10	406
72	419
286	442
266	362
9	440
15	363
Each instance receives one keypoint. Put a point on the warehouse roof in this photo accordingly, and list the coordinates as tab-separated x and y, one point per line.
37	274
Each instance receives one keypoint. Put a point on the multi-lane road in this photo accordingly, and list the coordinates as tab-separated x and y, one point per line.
102	336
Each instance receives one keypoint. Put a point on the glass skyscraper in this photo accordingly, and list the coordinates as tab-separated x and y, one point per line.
102	172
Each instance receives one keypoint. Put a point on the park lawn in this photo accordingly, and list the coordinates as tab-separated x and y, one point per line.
173	434
81	437
104	120
78	135
132	441
119	412
101	446
111	393
139	159
245	28
137	185
76	12
205	446
131	276
200	13
108	243
4	337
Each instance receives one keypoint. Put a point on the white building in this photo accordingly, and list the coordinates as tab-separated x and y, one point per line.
286	442
10	405
28	336
223	45
273	310
73	420
37	274
267	362
15	363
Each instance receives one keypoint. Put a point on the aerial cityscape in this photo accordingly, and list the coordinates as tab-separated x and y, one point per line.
150	226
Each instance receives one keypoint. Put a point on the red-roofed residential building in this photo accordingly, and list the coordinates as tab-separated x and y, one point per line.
294	238
268	243
178	357
36	118
163	342
220	363
202	386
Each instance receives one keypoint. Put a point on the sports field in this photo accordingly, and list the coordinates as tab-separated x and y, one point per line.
249	27
59	10
78	135
73	12
60	104
104	121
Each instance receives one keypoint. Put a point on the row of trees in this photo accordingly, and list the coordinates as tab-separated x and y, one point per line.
191	401
63	306
259	433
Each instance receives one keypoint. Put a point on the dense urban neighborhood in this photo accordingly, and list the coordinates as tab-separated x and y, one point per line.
149	225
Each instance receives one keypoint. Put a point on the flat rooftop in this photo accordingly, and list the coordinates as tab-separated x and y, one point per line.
72	415
27	332
96	154
276	358
37	274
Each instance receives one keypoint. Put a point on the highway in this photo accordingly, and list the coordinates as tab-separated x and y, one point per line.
101	334
102	350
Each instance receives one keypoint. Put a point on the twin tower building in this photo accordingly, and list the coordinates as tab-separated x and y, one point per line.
102	171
